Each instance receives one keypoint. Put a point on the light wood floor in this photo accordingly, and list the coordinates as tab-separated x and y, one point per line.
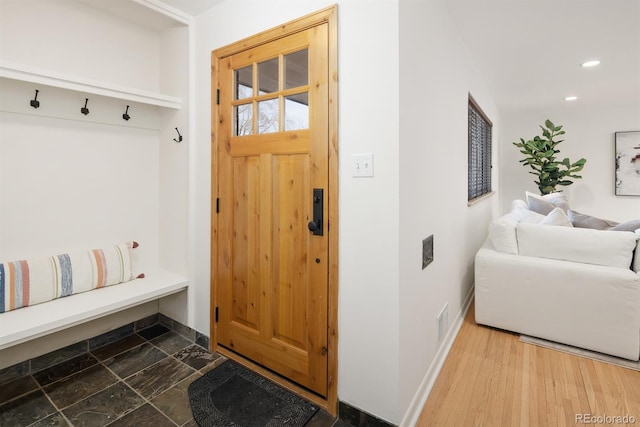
491	379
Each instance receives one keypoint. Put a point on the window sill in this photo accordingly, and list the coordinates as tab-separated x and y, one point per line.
480	198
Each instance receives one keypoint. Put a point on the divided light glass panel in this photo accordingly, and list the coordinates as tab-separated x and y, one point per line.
272	77
243	118
296	111
243	83
296	69
296	74
268	116
243	89
268	110
268	76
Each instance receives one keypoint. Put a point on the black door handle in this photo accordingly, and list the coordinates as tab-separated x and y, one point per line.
315	226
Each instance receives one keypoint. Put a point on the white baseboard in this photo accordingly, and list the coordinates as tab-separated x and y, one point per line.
419	399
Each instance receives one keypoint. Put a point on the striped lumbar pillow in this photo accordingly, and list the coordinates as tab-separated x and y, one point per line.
37	280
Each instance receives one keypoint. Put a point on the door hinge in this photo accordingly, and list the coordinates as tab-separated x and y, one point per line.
216	314
217	96
218	205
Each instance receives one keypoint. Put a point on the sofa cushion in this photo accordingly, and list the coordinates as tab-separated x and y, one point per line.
577	244
545	204
556	217
632	225
502	230
581	220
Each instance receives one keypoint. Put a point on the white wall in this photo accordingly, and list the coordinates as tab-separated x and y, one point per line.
73	182
589	134
368	105
175	169
70	184
174	157
368	304
74	38
436	77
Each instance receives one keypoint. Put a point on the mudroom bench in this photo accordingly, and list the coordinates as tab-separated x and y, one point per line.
27	323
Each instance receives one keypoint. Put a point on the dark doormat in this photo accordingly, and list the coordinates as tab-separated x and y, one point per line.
231	395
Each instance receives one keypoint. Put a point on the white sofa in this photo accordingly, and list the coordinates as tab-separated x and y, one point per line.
570	285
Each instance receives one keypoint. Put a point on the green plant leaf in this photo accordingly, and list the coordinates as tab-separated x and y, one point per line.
539	154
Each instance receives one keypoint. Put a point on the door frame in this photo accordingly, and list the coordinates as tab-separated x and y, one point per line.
328	16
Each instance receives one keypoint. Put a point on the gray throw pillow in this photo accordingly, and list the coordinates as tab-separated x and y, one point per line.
587	221
632	225
545	204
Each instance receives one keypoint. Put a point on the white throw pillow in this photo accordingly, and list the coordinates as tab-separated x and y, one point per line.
556	217
519	204
584	245
502	232
525	215
545	204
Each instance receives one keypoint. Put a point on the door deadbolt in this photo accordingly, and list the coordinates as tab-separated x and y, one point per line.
316	225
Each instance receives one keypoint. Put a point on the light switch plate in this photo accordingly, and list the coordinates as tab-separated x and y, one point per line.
363	165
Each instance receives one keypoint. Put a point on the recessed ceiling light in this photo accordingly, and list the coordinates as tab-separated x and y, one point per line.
570	98
590	63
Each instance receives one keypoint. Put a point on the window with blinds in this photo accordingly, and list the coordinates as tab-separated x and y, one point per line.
479	178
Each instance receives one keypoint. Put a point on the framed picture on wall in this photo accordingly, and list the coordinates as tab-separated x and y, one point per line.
628	163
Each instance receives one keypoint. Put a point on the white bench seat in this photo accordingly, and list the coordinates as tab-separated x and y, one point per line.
24	324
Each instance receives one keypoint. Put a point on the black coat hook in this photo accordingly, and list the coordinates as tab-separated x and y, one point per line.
34	102
84	110
126	115
179	136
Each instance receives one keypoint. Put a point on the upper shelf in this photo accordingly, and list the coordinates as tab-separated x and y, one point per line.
31	74
148	13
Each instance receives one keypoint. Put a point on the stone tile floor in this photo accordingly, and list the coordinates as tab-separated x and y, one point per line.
141	380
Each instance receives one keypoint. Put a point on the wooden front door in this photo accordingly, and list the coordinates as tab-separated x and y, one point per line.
272	234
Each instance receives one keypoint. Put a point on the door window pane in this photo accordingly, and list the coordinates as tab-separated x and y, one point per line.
296	66
296	111
268	116
244	82
243	119
268	76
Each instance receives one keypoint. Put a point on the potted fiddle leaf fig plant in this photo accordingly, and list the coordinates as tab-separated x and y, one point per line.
540	154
